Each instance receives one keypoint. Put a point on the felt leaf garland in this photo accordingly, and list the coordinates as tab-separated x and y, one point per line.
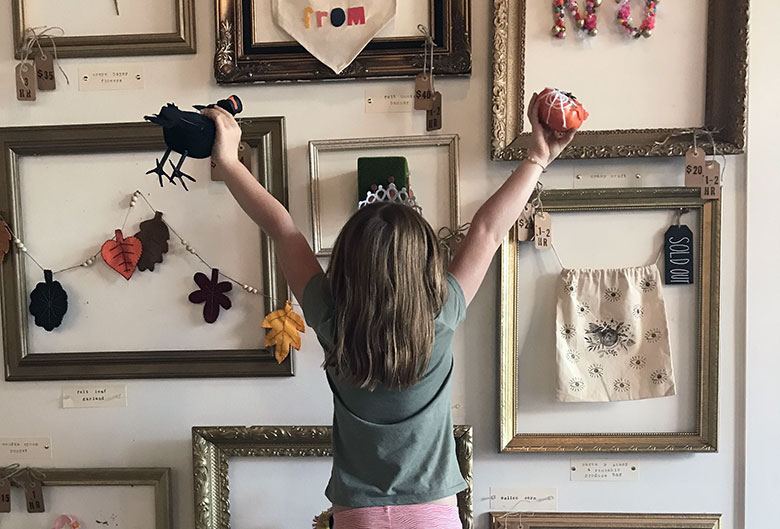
212	293
122	254
154	237
5	239
48	303
284	327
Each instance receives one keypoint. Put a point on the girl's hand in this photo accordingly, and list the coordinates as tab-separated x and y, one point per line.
546	144
228	136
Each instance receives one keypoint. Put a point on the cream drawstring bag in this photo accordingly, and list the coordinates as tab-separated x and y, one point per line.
612	336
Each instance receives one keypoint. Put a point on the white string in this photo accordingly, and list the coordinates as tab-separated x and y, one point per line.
183	241
33	38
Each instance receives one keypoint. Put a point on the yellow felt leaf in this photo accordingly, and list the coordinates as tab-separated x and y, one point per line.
284	326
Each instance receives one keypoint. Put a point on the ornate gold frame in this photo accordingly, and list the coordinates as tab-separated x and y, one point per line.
213	446
452	142
180	41
265	135
725	106
239	60
704	438
159	478
576	520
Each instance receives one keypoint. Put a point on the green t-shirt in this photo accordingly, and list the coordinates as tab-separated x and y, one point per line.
392	447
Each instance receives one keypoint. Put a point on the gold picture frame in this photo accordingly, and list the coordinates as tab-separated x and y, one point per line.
451	142
159	478
212	447
266	136
180	41
725	98
238	59
704	437
576	520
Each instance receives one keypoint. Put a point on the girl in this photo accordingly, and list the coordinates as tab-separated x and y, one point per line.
385	313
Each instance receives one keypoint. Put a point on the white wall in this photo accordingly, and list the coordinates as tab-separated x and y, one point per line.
154	430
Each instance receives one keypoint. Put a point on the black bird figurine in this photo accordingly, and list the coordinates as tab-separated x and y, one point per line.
189	134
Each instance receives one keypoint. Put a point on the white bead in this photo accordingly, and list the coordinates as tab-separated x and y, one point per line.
185	243
254	291
17	241
245	287
23	248
84	264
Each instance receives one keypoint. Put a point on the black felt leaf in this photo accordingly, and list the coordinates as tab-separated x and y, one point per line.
212	294
48	303
154	237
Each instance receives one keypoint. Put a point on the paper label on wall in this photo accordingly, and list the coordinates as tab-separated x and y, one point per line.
379	100
105	77
604	470
94	396
514	499
18	449
44	71
25	82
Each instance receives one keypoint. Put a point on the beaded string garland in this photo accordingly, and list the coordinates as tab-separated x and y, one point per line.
585	21
648	23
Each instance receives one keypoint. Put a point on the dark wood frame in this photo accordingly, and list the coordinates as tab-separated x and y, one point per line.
213	446
266	135
159	478
725	105
705	436
180	41
237	60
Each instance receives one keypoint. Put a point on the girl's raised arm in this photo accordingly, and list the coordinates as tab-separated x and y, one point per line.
494	218
295	254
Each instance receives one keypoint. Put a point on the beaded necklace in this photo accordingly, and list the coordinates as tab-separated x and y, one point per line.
648	24
585	21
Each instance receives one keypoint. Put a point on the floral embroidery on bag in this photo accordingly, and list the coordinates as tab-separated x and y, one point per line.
607	337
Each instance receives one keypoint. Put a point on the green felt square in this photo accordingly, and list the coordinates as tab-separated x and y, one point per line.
378	170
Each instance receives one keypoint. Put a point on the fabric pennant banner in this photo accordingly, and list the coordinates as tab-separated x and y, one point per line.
334	31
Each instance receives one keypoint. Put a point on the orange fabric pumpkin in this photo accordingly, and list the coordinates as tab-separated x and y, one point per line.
560	110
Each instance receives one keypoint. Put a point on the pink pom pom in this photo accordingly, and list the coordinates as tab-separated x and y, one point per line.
624	12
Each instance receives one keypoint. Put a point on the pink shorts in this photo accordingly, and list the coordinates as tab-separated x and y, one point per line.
423	516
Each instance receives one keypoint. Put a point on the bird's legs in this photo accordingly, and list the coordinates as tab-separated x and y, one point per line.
159	170
177	172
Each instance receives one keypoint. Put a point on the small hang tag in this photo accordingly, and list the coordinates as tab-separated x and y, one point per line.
678	256
5	495
44	71
694	167
423	92
711	184
543	231
33	495
25	82
525	224
433	116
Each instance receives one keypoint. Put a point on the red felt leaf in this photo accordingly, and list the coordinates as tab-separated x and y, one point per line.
122	254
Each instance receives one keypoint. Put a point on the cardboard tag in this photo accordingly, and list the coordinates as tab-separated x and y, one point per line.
678	256
433	116
44	72
543	231
525	224
711	184
25	82
423	92
694	167
5	495
33	496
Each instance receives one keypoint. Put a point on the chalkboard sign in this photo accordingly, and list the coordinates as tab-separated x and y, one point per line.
678	256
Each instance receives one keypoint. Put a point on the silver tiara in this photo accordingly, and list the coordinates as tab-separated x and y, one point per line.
391	194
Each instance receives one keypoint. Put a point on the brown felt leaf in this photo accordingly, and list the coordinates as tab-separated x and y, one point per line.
154	237
5	239
284	326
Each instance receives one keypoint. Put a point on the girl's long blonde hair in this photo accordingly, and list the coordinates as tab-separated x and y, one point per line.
388	283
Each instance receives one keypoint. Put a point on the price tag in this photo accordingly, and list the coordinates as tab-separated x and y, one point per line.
525	224
543	231
423	92
44	71
25	82
33	496
678	256
433	116
711	184
5	495
694	167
